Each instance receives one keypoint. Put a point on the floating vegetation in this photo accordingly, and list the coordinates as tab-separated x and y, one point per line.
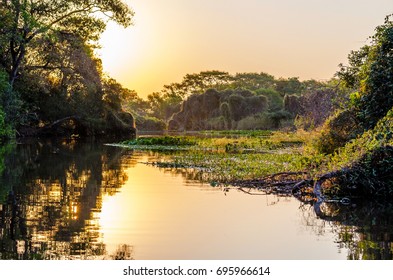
224	159
253	133
251	164
161	141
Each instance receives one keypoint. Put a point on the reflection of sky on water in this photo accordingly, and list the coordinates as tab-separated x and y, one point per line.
166	218
73	200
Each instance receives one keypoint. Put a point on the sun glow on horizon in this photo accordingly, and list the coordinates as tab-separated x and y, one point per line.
305	39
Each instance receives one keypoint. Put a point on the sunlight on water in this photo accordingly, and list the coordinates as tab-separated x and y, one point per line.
62	200
165	217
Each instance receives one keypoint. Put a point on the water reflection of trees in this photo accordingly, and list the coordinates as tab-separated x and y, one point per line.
364	229
52	195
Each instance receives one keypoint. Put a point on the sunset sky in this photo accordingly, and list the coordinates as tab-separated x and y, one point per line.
285	38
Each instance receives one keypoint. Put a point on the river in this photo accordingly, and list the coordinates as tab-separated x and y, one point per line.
70	199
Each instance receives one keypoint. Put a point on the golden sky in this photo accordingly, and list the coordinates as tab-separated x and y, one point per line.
285	38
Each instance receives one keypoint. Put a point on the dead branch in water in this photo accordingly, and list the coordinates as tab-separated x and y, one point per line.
296	184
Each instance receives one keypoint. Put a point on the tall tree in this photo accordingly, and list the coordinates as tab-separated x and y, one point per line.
370	72
23	22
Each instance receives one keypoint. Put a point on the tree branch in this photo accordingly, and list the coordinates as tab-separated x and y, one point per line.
43	29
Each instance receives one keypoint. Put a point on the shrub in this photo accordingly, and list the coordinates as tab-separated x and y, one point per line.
336	132
274	98
149	124
259	121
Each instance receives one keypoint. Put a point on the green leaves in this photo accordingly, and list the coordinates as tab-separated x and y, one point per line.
370	73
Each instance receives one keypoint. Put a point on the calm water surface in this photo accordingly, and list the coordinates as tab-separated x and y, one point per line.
70	200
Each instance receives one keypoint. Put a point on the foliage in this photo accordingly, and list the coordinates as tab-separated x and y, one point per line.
312	108
257	121
253	81
251	154
162	141
357	140
55	81
289	86
371	175
26	23
225	112
293	104
336	132
5	128
278	117
149	123
219	110
362	166
370	72
267	92
246	133
380	136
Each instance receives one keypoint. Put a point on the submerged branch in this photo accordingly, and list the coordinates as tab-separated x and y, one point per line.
283	183
297	184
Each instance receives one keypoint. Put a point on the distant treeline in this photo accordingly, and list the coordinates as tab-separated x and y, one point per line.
218	100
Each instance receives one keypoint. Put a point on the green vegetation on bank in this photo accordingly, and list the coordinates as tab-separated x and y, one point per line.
355	145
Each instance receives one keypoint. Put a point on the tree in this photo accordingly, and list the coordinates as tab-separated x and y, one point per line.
199	83
226	114
47	51
289	86
253	81
370	72
24	22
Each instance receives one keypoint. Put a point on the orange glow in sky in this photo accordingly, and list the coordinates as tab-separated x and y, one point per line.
285	38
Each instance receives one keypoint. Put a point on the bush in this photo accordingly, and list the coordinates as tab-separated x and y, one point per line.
293	104
364	165
259	121
149	124
219	123
236	106
275	101
336	132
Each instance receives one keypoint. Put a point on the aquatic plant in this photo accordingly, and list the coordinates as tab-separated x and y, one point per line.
162	141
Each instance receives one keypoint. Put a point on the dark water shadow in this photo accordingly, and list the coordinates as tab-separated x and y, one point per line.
50	194
363	227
